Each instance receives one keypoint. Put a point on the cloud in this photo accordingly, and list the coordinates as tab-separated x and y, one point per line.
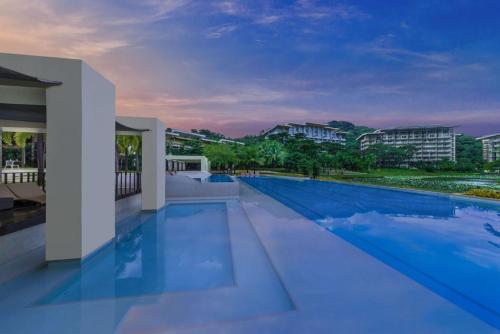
230	7
218	32
166	7
268	19
309	11
232	96
48	28
384	47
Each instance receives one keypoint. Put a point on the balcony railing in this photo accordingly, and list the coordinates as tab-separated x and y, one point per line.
21	177
127	184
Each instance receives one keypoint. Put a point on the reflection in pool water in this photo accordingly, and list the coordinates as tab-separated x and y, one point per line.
448	244
163	254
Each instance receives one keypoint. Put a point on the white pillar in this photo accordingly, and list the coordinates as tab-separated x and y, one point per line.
1	153
80	208
153	160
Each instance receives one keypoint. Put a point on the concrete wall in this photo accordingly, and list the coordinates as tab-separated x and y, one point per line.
22	95
180	187
153	160
98	173
80	154
205	164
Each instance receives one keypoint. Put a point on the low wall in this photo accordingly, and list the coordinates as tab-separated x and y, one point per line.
21	251
127	206
180	187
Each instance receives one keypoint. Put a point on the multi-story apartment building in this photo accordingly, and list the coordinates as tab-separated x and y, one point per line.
178	138
433	143
315	131
491	147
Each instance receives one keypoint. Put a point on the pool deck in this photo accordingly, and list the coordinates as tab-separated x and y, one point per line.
291	276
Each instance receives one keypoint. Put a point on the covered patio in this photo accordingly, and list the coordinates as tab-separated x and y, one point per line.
72	118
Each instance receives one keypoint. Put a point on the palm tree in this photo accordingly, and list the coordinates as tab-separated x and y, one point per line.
20	139
273	152
127	145
249	157
8	138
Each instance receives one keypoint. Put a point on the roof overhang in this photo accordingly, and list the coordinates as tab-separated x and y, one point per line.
124	130
10	77
23	112
37	114
488	136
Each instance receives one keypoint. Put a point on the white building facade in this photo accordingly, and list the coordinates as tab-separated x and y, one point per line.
491	147
433	143
315	131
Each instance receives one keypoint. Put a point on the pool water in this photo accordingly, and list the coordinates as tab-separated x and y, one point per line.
219	178
185	266
448	244
161	255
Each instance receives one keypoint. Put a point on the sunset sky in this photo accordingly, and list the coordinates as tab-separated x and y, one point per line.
238	67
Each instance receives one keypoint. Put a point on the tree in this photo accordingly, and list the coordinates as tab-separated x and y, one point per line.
469	152
209	134
128	145
8	138
351	130
281	137
492	166
249	157
368	161
272	152
446	165
194	147
391	156
20	139
326	161
221	156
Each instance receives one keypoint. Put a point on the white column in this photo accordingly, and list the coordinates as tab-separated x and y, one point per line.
1	153
153	160
80	163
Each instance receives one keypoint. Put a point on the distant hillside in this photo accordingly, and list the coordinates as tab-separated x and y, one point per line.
353	131
209	134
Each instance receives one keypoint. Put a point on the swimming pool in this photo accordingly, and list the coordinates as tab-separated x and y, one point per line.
219	178
185	266
164	254
450	245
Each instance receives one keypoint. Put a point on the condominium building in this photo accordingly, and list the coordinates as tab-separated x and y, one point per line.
491	147
433	143
315	131
178	138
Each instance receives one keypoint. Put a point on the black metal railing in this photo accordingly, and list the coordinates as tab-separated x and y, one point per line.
127	184
22	177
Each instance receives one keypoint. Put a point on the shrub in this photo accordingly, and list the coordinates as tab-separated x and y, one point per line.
488	193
